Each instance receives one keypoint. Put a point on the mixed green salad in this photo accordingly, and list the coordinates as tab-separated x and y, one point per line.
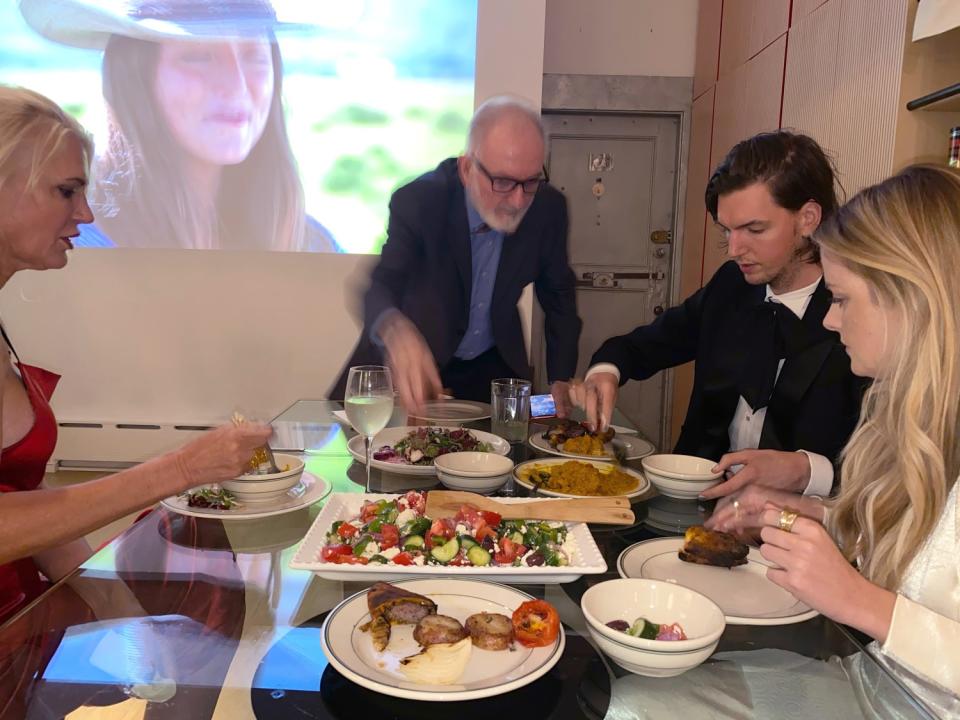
422	445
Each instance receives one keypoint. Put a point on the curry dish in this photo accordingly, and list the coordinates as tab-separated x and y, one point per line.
579	478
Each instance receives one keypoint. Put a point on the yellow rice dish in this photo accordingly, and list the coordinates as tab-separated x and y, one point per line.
579	478
585	445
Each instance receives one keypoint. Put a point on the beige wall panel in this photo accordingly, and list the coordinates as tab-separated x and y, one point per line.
749	26
809	89
768	21
735	35
802	8
868	84
694	226
748	100
708	46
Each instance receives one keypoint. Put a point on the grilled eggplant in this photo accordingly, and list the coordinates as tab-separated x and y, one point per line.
391	605
709	547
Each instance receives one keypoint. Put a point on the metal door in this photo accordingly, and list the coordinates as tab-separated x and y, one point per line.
619	175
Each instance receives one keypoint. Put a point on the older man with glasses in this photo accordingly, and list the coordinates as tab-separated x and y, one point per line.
463	241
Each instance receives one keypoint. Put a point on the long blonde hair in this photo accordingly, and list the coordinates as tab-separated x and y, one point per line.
902	237
31	120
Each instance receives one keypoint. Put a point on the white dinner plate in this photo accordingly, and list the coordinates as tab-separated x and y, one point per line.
488	672
634	446
309	490
744	593
444	412
585	559
391	436
642	483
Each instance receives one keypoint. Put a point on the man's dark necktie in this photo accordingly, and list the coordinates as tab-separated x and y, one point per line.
774	333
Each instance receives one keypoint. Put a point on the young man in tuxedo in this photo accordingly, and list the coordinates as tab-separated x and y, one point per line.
773	398
462	242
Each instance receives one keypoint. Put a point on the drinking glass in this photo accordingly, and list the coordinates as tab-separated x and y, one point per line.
510	404
369	403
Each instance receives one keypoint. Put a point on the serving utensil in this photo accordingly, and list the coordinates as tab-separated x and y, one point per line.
238	420
604	510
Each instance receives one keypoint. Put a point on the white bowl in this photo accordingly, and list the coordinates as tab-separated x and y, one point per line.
680	476
661	602
478	472
260	488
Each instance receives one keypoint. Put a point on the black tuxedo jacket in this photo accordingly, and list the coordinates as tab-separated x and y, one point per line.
425	272
816	400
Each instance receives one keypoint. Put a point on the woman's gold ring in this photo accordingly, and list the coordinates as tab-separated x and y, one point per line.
787	518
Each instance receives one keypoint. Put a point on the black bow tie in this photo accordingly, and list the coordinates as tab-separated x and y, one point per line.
775	333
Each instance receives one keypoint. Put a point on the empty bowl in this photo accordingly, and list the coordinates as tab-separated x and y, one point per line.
259	488
479	472
661	602
680	476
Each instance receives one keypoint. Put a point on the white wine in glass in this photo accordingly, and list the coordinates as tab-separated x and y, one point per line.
369	403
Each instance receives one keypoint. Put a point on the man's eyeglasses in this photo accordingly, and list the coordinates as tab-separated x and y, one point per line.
505	185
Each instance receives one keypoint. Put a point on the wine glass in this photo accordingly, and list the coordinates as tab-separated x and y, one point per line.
369	403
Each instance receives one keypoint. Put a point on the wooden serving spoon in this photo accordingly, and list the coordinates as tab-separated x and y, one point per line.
605	510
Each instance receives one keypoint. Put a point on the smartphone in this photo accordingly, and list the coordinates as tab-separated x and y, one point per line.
542	406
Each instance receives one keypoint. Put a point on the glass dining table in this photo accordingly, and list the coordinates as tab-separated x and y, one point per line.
191	617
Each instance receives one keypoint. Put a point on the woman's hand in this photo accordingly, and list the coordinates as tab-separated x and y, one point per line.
744	510
773	468
222	453
812	568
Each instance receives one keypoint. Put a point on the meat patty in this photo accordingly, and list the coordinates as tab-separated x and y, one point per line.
490	631
405	613
436	629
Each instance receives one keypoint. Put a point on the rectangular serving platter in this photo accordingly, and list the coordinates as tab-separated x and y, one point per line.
586	559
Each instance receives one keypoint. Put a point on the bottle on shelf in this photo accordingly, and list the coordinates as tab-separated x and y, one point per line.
954	160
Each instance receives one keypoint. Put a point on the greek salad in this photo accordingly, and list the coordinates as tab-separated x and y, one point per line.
396	532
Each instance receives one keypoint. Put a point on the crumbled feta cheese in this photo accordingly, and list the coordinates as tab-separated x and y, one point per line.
418	560
371	549
569	548
391	553
406	516
462	529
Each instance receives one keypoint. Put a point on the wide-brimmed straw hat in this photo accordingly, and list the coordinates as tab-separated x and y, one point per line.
90	23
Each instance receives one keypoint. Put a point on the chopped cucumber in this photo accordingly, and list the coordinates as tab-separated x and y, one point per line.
378	558
414	542
478	556
467	542
517	537
446	552
643	628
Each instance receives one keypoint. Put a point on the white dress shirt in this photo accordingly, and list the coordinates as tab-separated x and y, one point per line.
747	423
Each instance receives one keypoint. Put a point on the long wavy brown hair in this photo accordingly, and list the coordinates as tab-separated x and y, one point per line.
138	192
902	237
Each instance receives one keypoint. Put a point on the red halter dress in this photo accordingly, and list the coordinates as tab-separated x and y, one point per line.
22	466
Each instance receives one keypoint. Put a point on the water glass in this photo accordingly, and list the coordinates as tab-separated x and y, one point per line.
510	402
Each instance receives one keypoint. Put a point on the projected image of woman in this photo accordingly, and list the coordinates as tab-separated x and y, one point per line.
197	153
